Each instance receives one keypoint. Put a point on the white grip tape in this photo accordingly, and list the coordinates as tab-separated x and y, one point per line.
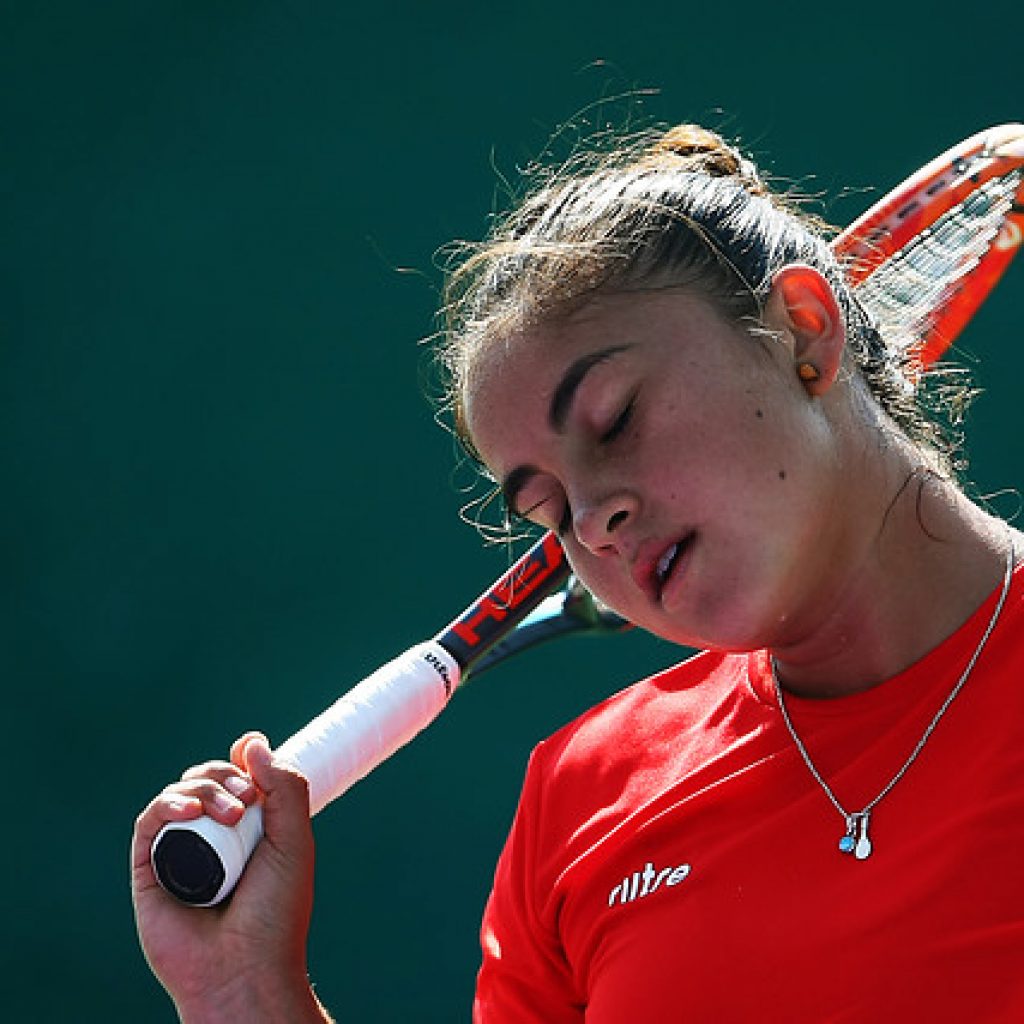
370	722
347	741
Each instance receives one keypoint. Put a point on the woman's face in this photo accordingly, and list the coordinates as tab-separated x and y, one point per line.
692	478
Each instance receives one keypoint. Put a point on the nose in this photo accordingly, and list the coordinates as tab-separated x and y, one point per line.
602	526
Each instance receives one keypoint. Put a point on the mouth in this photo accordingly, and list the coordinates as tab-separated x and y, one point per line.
667	567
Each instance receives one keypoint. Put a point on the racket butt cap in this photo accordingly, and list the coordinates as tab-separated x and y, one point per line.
188	867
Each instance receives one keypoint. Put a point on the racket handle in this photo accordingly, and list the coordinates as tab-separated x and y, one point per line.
200	861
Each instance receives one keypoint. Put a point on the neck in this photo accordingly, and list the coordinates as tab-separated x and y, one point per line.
933	563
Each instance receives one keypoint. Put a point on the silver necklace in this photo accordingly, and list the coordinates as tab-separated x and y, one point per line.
855	839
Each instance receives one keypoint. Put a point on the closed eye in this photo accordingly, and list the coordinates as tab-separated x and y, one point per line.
565	523
621	422
542	513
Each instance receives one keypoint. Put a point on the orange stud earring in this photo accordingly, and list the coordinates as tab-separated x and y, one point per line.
808	372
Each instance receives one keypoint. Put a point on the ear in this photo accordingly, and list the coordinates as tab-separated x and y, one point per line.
803	304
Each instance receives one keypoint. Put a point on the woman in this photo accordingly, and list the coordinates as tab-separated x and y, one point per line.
819	817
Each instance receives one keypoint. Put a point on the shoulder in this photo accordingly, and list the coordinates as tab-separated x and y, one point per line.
652	722
593	783
1007	640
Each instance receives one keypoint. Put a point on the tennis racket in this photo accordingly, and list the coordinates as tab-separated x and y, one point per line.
943	237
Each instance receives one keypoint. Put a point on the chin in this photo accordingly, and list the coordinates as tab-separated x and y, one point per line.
729	629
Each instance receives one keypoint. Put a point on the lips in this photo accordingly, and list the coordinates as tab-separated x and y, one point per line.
658	564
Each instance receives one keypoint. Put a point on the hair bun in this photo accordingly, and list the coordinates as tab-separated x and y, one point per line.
705	152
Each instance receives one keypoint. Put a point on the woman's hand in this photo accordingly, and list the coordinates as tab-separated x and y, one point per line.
246	958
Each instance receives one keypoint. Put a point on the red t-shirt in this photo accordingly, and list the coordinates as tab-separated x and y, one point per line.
672	858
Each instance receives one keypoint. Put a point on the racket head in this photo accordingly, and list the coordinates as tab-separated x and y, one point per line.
949	231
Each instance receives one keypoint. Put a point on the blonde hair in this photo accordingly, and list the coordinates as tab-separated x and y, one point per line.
666	209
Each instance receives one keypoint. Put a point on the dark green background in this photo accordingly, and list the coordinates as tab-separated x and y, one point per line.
223	496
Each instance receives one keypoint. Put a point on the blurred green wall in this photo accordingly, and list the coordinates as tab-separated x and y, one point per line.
224	499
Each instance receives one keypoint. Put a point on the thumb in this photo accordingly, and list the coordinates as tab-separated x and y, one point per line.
285	797
276	889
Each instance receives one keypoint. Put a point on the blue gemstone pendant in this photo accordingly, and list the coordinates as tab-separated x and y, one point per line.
856	840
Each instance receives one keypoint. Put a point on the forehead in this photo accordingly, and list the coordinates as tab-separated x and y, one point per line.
539	353
506	373
546	345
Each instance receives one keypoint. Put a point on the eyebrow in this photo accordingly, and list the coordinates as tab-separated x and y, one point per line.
558	413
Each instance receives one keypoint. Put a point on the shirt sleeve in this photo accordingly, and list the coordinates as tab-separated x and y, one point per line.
524	976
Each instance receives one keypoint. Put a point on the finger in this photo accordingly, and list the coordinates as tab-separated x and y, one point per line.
228	775
170	805
217	800
210	767
238	747
164	807
286	793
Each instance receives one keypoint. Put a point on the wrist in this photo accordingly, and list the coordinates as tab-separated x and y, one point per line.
265	1000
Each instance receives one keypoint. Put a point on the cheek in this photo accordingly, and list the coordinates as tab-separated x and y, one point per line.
614	587
723	464
601	576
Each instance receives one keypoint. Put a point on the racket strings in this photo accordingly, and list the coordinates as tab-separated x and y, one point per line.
917	280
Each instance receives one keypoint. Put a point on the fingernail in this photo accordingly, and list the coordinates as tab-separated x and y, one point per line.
257	752
225	802
176	804
237	785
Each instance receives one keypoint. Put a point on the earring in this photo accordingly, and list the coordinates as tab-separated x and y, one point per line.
808	372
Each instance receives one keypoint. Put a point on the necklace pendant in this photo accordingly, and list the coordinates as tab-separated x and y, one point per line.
856	839
863	848
848	843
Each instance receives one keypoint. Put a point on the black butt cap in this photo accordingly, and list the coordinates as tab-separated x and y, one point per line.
187	866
